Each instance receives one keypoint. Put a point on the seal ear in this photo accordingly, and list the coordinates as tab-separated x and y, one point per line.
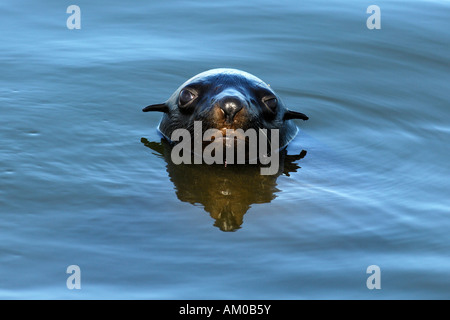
294	115
161	107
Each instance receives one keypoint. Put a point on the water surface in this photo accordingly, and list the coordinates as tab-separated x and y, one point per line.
83	180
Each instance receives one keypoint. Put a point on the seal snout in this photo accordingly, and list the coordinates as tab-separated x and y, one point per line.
230	107
230	102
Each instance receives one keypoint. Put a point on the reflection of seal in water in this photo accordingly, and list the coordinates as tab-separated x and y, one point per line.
226	99
225	193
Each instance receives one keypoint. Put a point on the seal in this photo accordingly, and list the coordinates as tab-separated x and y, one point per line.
226	99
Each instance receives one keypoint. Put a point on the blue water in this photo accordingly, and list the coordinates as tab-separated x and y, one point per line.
80	183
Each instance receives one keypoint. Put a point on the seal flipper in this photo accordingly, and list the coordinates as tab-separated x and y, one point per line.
294	115
161	107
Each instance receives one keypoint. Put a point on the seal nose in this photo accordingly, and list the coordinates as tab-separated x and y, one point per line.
230	107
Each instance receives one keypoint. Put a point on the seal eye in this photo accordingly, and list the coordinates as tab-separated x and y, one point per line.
186	96
271	102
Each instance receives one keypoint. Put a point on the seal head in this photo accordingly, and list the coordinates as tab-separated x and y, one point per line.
226	99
